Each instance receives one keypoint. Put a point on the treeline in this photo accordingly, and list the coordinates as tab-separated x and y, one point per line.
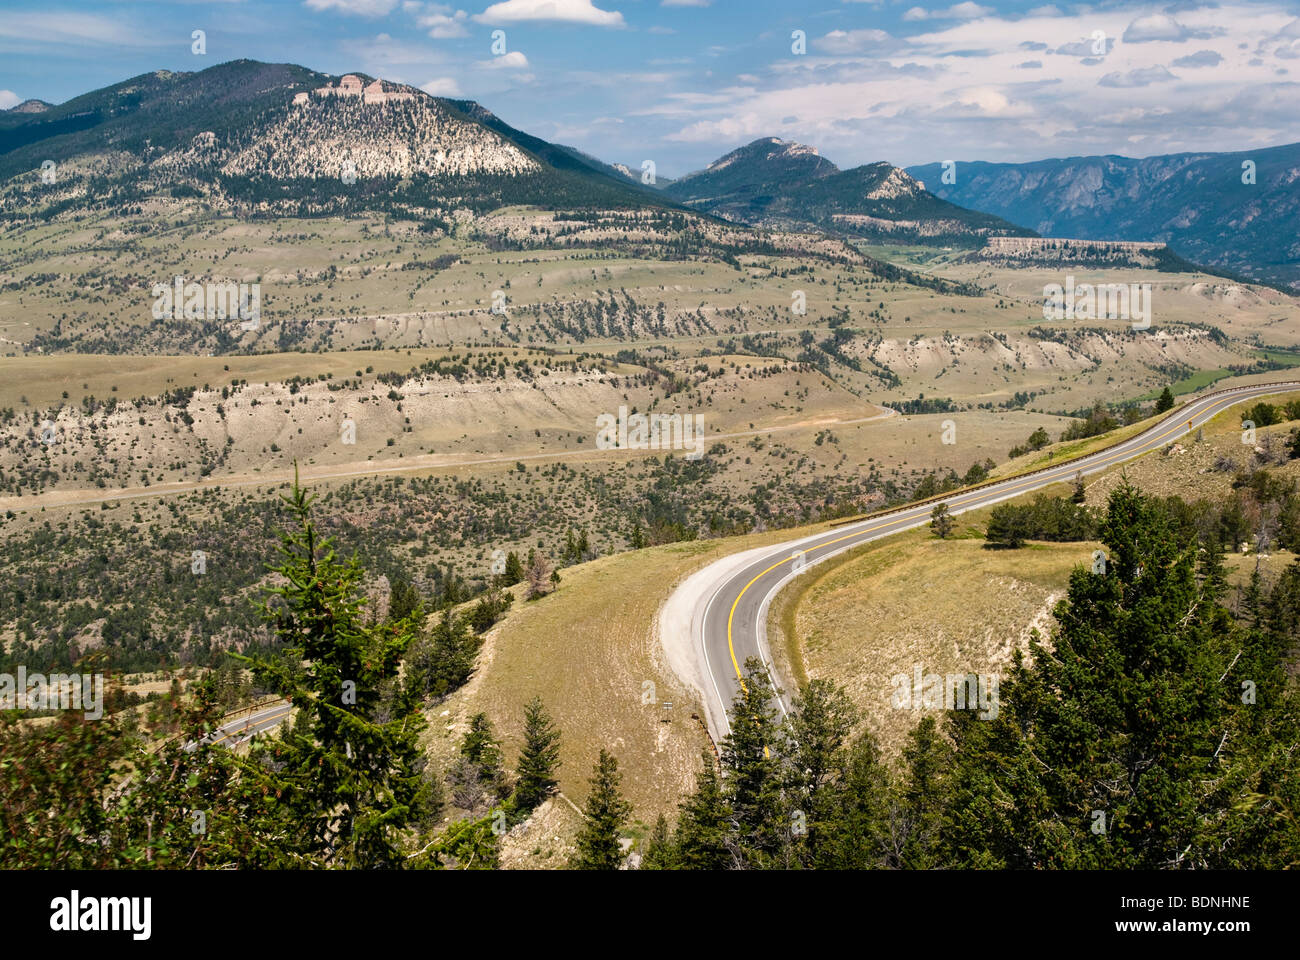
1262	510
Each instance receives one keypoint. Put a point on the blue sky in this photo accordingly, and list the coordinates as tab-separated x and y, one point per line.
682	81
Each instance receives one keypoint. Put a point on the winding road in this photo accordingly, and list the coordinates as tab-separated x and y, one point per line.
728	600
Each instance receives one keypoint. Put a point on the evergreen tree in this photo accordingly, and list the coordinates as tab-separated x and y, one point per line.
606	812
941	521
403	599
927	758
703	840
348	773
815	756
857	838
1008	526
659	854
514	570
1129	694
750	760
539	758
443	660
1166	401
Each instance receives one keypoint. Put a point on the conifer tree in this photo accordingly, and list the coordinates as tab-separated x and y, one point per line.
1133	691
514	570
539	758
347	774
750	759
659	854
927	757
815	756
606	813
703	840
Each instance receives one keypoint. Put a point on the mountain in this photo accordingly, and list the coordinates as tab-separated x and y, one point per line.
283	139
779	183
1195	202
29	106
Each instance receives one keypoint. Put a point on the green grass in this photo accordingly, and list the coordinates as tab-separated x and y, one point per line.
1196	382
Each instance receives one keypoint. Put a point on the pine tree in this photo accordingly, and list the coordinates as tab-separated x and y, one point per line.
752	766
1008	526
815	756
539	758
927	757
606	812
1166	401
857	836
659	854
348	773
403	600
443	661
514	570
704	824
941	521
1130	693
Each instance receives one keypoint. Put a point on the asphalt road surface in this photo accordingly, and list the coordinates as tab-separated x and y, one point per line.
242	729
733	626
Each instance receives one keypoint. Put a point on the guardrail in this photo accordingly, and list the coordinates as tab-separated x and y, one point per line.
987	484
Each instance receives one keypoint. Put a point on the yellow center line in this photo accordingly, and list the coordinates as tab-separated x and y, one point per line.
1066	468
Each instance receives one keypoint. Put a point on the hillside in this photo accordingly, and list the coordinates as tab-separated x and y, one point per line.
1195	202
779	183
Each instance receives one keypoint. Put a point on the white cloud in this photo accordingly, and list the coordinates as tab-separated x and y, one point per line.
1160	26
514	60
1201	58
442	87
1142	77
856	41
9	99
361	8
959	11
569	11
443	24
78	29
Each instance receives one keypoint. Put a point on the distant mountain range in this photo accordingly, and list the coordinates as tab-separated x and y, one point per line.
279	139
1195	202
783	184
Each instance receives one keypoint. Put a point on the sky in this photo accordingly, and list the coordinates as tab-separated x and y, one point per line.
681	82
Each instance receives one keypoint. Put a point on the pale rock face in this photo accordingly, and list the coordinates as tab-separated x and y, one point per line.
378	131
1012	246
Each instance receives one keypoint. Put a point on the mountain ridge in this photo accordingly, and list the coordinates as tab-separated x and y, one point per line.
1198	202
777	183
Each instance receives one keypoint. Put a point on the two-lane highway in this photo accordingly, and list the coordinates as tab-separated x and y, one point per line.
731	625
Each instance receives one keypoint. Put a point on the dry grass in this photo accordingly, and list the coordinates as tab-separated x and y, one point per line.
950	606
